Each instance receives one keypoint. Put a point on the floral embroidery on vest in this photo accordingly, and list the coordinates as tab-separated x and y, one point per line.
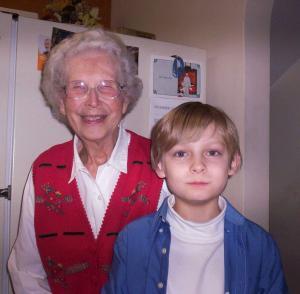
57	271
53	199
134	197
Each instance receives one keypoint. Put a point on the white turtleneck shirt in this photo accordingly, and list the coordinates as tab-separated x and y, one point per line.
196	258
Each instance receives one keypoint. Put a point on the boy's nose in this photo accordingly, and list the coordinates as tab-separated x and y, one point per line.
198	165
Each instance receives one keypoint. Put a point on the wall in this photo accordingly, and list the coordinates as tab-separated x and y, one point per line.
257	103
284	136
220	27
285	170
205	25
38	7
27	5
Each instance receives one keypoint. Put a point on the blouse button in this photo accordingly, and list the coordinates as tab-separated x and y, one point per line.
161	230
160	285
164	251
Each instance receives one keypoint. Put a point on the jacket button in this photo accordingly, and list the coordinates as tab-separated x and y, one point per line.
164	251
161	230
160	285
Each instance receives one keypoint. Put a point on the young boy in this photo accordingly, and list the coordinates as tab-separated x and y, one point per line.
196	242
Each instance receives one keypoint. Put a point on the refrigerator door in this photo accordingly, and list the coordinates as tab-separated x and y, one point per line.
34	127
6	71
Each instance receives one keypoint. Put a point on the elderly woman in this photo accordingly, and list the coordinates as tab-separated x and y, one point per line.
80	194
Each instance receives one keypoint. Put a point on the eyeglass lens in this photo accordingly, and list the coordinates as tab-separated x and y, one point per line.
105	89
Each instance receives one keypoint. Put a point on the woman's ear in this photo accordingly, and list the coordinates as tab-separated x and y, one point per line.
234	165
124	107
160	171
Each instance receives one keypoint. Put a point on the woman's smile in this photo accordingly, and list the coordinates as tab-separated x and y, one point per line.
93	119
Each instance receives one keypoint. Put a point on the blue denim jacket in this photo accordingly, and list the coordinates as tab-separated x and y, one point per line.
141	259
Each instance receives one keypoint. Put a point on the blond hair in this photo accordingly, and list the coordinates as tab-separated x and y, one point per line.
186	123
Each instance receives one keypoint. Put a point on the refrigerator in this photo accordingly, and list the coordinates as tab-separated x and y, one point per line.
27	127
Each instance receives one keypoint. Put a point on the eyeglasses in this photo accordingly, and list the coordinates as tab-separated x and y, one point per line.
106	89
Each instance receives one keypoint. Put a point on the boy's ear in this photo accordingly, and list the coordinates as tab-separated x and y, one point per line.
234	165
160	171
62	109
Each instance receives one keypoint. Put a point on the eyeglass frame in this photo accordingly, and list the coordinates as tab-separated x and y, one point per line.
100	95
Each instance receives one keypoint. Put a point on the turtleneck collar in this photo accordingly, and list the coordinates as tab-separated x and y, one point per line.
192	232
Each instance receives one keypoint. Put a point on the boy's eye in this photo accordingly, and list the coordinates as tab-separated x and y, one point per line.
180	154
213	153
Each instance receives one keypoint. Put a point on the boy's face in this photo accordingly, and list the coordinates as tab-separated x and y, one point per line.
197	173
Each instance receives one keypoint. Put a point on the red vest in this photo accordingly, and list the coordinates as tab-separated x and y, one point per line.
76	262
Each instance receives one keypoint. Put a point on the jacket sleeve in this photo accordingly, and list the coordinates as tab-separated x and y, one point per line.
25	267
117	277
272	275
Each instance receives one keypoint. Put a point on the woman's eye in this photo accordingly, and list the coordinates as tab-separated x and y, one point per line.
180	154
77	88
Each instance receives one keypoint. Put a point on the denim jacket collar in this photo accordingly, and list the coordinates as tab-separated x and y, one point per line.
231	215
159	218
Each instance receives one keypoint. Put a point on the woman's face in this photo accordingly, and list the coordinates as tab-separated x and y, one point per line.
93	119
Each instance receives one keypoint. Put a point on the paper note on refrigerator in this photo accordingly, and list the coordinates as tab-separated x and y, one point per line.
171	89
166	83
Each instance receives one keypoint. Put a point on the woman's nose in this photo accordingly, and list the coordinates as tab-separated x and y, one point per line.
93	97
